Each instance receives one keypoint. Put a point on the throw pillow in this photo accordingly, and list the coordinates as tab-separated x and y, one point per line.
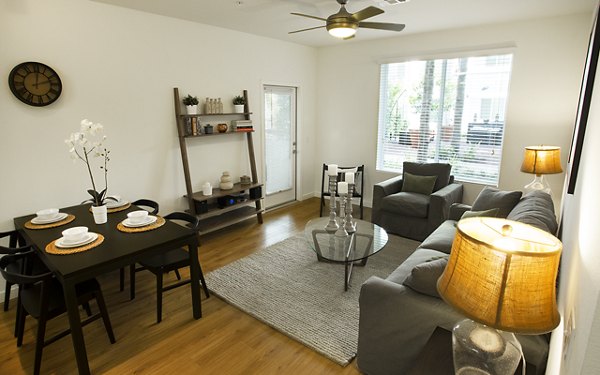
493	212
423	277
412	183
490	198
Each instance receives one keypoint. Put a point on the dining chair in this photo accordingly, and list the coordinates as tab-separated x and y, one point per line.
150	206
41	296
170	260
359	179
16	244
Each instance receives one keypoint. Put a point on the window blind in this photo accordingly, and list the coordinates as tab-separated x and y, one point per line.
445	110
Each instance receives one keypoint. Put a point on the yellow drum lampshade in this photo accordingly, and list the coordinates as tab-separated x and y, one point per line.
502	273
541	160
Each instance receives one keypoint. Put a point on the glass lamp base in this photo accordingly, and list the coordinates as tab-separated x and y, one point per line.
538	183
482	350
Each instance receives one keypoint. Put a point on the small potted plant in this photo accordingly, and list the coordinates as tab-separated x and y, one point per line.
238	104
191	104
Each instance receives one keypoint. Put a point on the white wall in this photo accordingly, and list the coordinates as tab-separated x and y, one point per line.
579	288
119	67
548	63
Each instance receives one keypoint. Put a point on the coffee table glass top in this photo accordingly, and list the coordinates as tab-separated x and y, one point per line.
369	238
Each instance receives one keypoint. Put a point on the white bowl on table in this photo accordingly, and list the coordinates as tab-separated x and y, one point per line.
75	234
137	217
47	214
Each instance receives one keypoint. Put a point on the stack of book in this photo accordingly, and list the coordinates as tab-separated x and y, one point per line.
242	125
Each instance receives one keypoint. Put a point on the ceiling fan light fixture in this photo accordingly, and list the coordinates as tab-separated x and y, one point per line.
342	32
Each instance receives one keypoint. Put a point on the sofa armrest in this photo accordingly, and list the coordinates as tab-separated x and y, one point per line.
457	210
441	200
380	191
394	325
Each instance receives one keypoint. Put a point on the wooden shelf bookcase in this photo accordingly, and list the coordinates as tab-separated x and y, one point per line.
216	218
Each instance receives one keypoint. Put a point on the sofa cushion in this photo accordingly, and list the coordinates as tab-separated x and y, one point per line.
407	204
492	212
490	197
441	238
412	183
423	278
441	170
536	208
403	270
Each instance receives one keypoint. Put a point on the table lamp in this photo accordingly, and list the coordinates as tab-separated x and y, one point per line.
501	274
541	160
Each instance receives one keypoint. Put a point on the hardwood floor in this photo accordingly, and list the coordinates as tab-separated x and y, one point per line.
224	341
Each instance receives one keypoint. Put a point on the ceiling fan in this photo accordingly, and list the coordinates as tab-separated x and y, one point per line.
343	24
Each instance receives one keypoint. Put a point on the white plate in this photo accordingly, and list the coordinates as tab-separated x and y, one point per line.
62	243
60	216
113	204
151	219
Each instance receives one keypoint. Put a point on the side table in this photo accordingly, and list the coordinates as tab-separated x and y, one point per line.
436	356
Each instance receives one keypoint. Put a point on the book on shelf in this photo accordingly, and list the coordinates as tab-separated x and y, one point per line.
194	121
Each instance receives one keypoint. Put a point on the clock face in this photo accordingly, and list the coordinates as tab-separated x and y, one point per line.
35	83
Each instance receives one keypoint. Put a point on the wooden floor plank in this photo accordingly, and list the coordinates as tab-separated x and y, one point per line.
224	341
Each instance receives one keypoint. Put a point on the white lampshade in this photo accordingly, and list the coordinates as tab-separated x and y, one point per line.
342	32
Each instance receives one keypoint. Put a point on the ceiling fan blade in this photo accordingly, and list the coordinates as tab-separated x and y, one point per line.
349	37
310	28
382	26
308	16
368	12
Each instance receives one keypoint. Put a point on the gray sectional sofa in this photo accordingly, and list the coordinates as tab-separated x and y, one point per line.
396	320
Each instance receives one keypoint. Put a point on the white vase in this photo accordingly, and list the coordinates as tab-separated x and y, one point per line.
238	108
191	109
100	214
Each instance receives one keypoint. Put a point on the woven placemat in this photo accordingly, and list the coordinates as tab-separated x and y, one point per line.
115	209
66	220
52	249
160	221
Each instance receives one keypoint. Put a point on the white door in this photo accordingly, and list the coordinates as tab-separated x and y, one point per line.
280	144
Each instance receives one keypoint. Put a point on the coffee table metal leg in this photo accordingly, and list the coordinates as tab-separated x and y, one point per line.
348	264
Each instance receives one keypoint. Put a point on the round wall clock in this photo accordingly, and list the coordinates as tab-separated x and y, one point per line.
35	83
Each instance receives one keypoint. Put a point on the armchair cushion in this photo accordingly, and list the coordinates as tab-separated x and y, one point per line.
441	170
423	278
407	204
418	184
490	197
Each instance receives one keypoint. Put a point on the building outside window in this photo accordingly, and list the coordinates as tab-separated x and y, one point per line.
447	111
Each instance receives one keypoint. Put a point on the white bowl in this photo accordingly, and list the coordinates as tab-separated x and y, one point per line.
47	214
136	217
74	234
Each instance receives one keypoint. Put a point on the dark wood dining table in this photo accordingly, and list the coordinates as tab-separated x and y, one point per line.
118	249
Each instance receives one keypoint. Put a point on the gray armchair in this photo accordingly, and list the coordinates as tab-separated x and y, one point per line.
412	214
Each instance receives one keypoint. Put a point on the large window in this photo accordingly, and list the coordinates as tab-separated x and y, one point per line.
445	110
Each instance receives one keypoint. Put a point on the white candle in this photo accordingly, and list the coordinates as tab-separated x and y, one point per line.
349	177
332	169
342	187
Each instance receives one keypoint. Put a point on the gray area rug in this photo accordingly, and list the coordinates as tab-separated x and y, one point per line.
287	288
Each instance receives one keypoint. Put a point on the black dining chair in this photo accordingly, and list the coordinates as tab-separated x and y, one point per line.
150	206
359	180
169	260
16	244
41	296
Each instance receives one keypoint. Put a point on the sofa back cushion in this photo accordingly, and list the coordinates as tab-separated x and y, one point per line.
490	198
536	208
441	170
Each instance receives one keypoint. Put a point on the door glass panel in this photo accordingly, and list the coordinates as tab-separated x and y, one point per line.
279	103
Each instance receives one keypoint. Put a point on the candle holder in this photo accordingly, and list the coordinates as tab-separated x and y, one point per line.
332	225
341	232
349	223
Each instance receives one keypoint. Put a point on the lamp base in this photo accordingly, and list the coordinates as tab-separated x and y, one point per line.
482	350
538	183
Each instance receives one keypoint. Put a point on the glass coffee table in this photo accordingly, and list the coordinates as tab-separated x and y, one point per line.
352	249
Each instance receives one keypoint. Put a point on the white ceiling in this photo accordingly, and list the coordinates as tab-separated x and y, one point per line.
272	18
